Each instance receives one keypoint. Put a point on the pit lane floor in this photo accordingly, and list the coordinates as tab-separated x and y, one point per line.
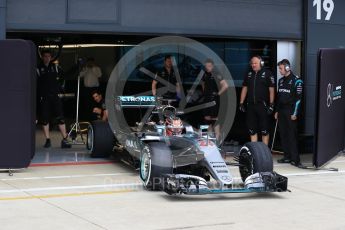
84	193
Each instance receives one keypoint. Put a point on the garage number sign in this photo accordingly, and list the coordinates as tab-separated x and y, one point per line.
326	6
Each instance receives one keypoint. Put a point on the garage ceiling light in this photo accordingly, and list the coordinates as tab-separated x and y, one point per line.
88	45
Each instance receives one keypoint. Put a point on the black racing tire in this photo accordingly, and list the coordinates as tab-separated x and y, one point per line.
100	139
255	157
156	160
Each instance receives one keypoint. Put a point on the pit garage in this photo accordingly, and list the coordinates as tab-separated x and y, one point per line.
71	52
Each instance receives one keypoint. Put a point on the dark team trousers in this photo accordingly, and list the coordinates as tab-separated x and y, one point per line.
211	111
51	107
288	135
257	119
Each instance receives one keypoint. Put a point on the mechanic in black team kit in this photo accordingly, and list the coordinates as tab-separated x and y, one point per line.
172	90
290	89
210	83
49	87
258	88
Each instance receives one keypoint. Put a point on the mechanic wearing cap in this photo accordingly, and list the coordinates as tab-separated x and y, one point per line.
258	88
170	90
210	82
290	89
49	87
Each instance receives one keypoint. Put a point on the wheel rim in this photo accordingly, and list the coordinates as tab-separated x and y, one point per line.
90	139
246	163
145	166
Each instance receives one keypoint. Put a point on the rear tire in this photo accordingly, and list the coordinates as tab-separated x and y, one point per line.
255	157
156	160
100	139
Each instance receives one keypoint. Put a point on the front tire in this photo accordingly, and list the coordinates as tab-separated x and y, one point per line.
100	139
156	160
255	157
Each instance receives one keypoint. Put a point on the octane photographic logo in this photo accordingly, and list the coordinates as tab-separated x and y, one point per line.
134	59
333	94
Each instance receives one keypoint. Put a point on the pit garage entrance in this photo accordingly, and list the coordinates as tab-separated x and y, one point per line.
71	52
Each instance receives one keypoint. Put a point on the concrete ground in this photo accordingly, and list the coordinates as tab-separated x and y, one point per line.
77	192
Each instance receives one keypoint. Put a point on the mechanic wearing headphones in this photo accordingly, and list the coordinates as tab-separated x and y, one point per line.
290	89
258	88
49	87
167	73
210	82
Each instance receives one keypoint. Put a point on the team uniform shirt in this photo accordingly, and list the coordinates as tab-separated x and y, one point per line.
100	105
91	76
48	80
290	90
211	81
258	85
171	78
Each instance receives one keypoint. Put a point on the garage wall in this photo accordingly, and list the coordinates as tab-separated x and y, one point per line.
292	51
321	32
242	18
2	19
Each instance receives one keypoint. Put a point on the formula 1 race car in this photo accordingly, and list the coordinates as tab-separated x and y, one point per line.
175	157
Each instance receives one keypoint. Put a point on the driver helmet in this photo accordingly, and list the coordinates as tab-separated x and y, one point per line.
174	126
